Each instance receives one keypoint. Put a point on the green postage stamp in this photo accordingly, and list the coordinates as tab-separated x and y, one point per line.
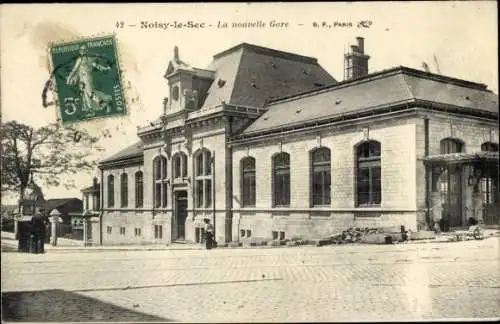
87	79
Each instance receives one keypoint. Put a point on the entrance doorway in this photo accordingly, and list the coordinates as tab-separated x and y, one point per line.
180	214
453	200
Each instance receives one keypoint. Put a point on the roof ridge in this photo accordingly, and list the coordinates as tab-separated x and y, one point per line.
269	51
444	78
339	85
403	70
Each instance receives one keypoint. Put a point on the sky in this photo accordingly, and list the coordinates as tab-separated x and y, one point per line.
462	36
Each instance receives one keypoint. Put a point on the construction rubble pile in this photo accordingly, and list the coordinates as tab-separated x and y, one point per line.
358	235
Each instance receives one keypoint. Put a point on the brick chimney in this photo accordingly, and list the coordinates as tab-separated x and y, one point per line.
356	61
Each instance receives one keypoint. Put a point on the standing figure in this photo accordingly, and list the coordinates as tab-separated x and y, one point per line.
38	230
81	78
209	234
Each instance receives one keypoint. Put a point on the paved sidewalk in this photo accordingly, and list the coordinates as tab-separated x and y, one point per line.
9	242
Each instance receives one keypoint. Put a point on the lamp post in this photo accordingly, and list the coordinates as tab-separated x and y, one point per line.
212	162
54	218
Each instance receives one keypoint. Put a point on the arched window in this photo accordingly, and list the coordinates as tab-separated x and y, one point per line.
111	190
248	181
124	190
160	181
451	145
321	177
179	165
203	178
489	147
139	190
281	179
369	188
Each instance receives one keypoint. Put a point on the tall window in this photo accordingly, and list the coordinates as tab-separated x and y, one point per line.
321	177
179	165
111	191
203	178
369	188
87	201
158	231
97	201
160	181
248	181
139	189
489	183
124	190
451	145
281	179
489	147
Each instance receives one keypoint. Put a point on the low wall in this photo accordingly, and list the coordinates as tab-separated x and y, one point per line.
60	241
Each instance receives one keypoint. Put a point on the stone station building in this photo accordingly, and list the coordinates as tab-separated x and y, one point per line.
267	144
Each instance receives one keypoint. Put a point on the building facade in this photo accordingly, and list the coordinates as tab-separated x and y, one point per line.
267	144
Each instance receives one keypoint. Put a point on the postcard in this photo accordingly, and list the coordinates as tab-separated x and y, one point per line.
250	162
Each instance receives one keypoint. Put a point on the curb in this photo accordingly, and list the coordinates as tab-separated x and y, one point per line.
62	249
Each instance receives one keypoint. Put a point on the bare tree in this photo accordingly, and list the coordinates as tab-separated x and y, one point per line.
46	153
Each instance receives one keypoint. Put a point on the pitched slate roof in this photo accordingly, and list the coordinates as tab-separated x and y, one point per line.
253	74
59	202
384	88
90	188
128	152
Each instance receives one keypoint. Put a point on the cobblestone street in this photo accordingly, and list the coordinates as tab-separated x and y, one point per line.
333	283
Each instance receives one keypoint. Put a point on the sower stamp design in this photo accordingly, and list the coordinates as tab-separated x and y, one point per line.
87	79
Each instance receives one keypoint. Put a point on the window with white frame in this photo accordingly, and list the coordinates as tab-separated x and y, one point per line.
160	181
248	181
179	165
124	190
203	178
158	231
451	145
368	180
87	205
281	180
111	190
320	177
139	189
489	183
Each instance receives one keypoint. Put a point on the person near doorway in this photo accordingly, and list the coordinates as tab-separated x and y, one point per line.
209	235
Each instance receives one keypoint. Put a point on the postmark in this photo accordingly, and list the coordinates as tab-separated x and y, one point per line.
87	79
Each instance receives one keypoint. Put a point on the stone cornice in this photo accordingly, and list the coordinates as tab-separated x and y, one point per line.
335	125
371	112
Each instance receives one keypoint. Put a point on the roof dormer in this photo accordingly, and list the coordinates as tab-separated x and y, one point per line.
187	85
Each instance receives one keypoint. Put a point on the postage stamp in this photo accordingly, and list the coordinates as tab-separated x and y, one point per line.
87	79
